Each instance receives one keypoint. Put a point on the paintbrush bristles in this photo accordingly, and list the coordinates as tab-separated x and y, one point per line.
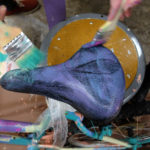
19	48
31	58
99	36
108	27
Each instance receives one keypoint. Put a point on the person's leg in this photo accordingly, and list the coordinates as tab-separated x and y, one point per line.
55	11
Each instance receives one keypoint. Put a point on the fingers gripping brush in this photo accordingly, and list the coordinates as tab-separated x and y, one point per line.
104	32
16	47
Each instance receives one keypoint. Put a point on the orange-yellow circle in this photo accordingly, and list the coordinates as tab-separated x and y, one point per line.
71	37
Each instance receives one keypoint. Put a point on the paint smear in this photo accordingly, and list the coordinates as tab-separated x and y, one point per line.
3	57
139	79
134	90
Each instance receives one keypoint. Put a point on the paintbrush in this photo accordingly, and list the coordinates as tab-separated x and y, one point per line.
16	47
104	32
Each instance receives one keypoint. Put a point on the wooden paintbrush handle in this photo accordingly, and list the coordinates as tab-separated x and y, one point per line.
7	34
119	13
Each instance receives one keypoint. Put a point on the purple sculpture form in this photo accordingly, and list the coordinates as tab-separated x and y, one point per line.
92	81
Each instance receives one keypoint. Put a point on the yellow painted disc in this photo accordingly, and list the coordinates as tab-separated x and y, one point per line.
71	37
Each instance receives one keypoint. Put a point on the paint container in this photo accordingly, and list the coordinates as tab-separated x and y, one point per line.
68	36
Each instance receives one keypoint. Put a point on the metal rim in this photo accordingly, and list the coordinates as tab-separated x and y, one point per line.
135	85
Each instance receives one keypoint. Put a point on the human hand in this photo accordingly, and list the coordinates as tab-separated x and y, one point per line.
3	10
115	5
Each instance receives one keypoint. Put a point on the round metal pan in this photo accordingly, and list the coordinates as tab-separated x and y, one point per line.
136	84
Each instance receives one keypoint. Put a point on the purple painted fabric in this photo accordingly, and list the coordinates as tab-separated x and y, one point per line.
13	126
92	81
55	11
